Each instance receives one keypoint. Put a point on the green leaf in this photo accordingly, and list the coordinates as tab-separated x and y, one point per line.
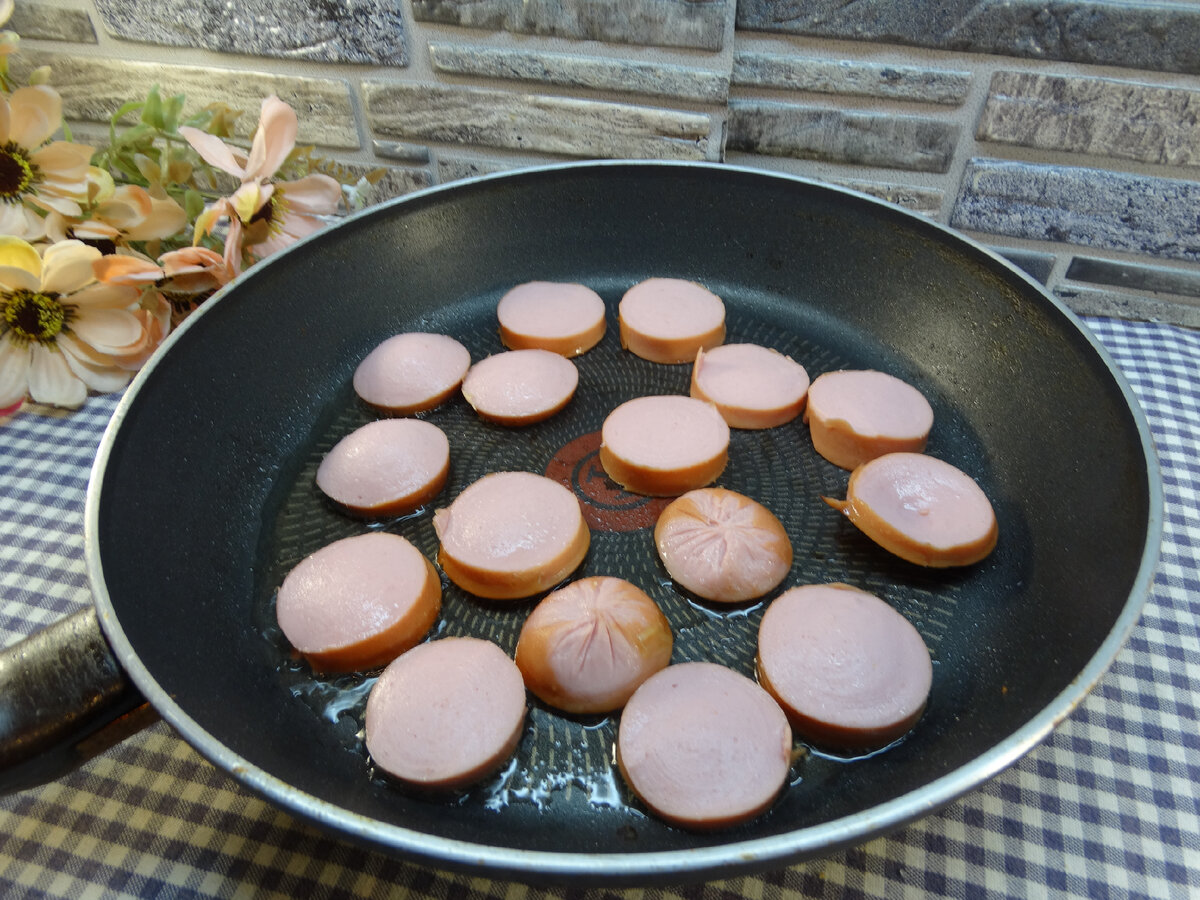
172	110
193	203
152	112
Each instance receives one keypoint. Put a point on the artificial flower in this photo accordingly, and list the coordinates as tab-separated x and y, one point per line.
194	270
126	213
295	209
62	330
37	175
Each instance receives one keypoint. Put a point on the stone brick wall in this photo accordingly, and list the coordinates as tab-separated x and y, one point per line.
1065	134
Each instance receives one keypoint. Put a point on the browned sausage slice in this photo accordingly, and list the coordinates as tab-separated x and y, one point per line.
857	415
412	372
565	318
664	445
446	714
359	602
850	672
587	646
703	747
751	386
667	320
520	387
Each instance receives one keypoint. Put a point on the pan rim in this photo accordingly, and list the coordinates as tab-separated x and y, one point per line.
634	867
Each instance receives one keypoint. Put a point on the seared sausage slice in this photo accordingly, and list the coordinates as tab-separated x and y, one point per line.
857	415
565	318
446	714
359	602
386	468
411	372
751	386
850	672
587	646
519	387
664	445
703	747
920	508
723	546
667	320
511	535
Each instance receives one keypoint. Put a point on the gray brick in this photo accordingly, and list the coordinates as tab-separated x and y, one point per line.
1089	207
357	31
1158	279
1097	116
534	123
454	168
926	201
44	22
93	89
871	139
1157	37
1120	305
699	24
1034	264
825	76
595	72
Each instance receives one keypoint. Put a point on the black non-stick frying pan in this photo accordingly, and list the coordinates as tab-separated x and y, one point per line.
202	498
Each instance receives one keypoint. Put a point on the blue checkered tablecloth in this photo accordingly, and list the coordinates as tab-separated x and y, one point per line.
1107	806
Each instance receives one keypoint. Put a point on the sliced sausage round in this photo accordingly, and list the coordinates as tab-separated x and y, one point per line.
386	468
857	415
565	318
520	387
412	372
511	535
752	386
588	645
664	445
921	509
723	546
359	602
703	747
850	672
446	714
667	320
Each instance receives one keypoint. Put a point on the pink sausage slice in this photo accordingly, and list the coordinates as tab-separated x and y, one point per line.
386	468
520	387
857	415
751	386
446	714
359	602
703	747
723	546
565	318
587	646
922	509
667	320
511	535
411	372
664	445
850	672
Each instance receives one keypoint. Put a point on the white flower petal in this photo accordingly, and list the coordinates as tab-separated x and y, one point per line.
52	381
92	368
67	267
103	296
14	278
14	371
108	330
20	221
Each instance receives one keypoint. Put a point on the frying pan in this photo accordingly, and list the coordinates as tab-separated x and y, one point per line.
202	498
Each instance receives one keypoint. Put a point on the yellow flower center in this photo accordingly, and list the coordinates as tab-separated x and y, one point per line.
18	175
32	317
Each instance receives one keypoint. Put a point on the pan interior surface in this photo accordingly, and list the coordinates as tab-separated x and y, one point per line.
208	495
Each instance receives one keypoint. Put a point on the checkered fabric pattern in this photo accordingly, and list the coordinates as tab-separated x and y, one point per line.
1107	807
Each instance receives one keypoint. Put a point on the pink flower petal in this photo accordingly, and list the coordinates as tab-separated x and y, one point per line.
316	194
36	115
213	150
14	372
274	138
127	270
52	381
108	330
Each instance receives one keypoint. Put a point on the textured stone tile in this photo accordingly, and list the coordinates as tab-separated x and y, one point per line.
1158	279
1093	115
93	89
1090	207
1120	305
358	31
859	79
595	72
534	123
668	23
396	181
51	23
1037	265
926	201
400	151
455	168
1157	37
870	139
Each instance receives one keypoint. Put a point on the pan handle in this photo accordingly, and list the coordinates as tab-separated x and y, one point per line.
64	698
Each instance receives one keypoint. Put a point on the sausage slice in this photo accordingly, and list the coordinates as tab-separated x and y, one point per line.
565	318
664	445
920	508
752	386
587	646
511	535
446	714
850	672
359	602
723	546
703	747
520	387
412	372
857	415
667	320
